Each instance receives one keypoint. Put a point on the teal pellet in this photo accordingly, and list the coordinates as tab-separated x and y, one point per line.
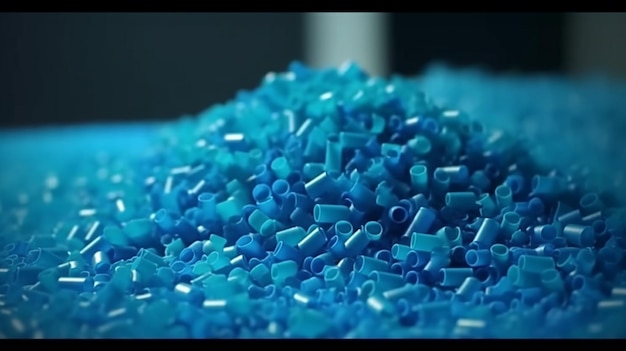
280	167
332	161
281	271
419	178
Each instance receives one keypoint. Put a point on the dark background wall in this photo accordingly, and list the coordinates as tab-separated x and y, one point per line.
526	42
70	68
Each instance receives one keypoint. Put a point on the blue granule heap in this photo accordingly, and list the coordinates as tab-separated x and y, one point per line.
323	204
574	125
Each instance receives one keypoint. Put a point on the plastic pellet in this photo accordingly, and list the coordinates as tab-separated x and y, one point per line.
578	235
486	234
454	277
478	258
468	287
504	196
262	194
366	265
400	252
334	278
361	196
499	254
100	262
312	285
189	293
551	280
419	178
523	279
357	242
398	214
488	206
281	188
283	270
346	266
319	186
585	260
44	258
510	223
78	284
319	262
291	236
457	174
343	230
330	213
535	264
250	247
373	230
421	223
439	258
215	243
313	242
425	242
452	235
464	201
351	140
519	238
440	183
590	203
333	154
93	246
386	281
571	217
280	167
269	228
545	233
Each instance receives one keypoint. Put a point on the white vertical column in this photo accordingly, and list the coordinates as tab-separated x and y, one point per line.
596	42
332	38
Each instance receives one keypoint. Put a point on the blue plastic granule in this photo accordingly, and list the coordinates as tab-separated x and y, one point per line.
325	204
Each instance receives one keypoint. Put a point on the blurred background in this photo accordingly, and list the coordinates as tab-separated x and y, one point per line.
60	68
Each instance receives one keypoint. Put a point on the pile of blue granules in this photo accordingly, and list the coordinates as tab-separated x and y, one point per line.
325	204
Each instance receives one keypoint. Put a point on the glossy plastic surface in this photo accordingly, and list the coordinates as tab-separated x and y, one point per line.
323	204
